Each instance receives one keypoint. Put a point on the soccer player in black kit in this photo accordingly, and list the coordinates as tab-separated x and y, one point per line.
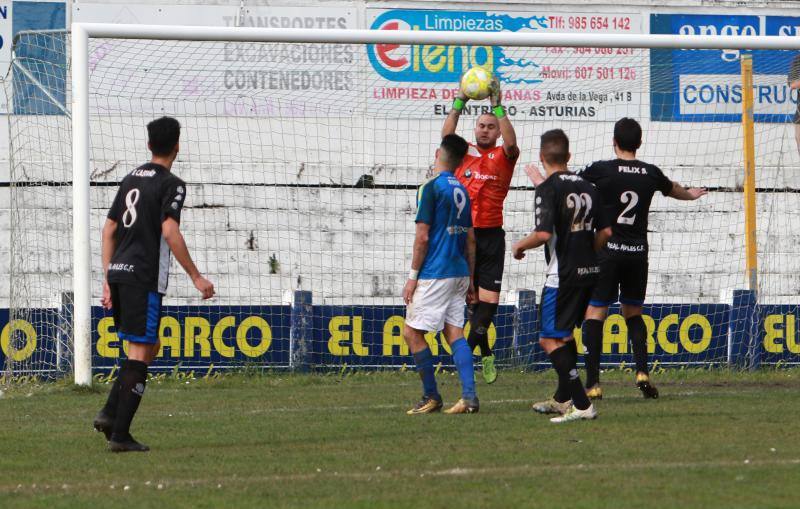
626	186
571	224
140	232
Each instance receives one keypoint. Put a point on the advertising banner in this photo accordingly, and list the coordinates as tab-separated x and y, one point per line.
706	85
210	337
225	78
538	83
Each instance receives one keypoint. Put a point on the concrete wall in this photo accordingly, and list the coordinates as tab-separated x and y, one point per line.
258	232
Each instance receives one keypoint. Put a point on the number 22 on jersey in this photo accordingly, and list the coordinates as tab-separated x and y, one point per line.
581	205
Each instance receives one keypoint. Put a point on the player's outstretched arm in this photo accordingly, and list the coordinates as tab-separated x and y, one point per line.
451	122
601	238
506	129
534	174
171	231
109	245
532	241
686	193
417	258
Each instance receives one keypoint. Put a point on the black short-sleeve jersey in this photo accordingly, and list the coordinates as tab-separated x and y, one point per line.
146	197
569	208
627	188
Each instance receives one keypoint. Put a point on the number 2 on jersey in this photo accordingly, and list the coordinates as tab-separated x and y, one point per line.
632	199
460	199
581	204
129	216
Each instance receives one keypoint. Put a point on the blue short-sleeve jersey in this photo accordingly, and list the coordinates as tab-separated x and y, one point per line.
443	203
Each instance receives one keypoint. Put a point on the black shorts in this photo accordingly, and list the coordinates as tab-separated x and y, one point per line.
796	118
562	309
490	254
137	312
621	279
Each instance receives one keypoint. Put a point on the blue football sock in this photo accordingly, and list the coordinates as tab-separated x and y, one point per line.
424	361
462	356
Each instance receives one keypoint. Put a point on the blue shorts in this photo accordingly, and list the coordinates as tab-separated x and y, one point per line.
562	309
137	313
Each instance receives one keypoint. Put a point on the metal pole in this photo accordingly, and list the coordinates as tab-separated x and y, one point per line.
749	172
82	314
528	39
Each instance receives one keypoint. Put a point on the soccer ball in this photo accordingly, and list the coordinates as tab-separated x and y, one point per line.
477	83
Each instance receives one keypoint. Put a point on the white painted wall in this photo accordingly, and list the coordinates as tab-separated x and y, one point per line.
352	245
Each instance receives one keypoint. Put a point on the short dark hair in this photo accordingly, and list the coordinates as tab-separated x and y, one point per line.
628	134
162	135
455	148
554	147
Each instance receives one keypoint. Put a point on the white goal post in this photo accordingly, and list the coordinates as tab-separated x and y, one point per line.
80	68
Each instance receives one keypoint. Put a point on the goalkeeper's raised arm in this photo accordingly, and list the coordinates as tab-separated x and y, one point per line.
504	125
506	129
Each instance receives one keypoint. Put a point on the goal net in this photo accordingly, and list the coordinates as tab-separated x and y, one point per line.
302	162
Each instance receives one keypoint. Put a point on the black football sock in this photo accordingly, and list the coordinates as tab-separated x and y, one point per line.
593	344
472	338
480	322
133	378
560	358
110	409
637	334
563	361
562	392
576	389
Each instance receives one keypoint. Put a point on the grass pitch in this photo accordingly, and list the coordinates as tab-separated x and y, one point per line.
713	439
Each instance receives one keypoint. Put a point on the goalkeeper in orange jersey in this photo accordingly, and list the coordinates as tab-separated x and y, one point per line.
486	174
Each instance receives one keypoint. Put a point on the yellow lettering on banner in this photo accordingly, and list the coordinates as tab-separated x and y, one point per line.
220	327
650	325
491	334
451	57
170	335
433	342
338	335
18	354
577	333
791	338
433	58
266	336
663	341
417	51
615	332
648	322
773	333
393	336
106	340
705	340
358	337
197	332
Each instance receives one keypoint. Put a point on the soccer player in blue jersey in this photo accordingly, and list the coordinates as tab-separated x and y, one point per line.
440	281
